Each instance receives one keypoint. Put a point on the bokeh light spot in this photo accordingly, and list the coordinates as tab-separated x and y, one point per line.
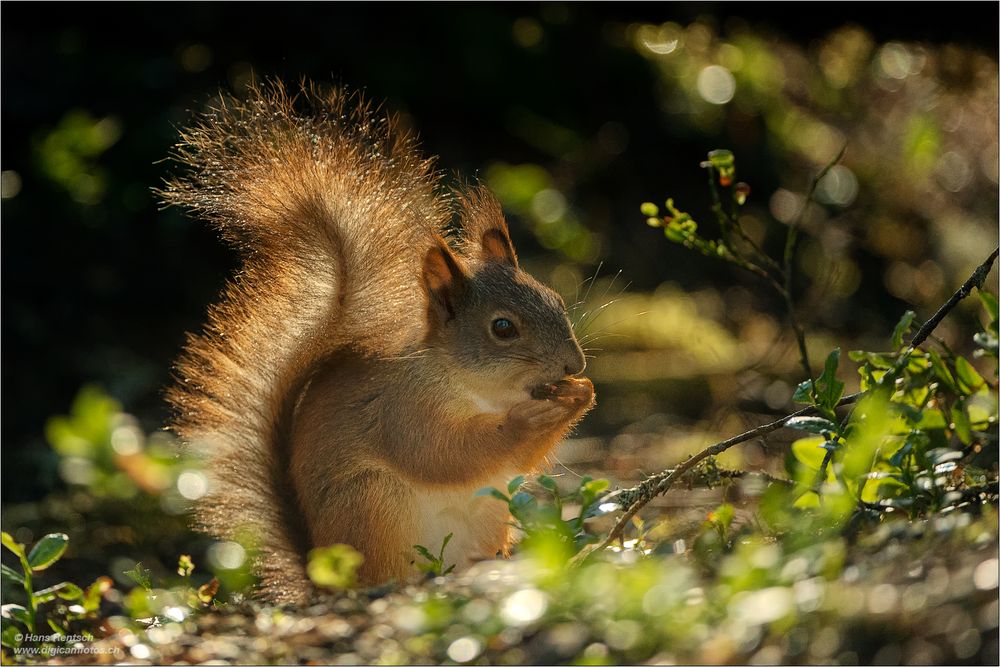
839	186
524	607
10	184
192	484
465	649
716	84
227	555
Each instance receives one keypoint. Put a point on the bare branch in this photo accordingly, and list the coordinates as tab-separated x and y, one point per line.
976	280
791	239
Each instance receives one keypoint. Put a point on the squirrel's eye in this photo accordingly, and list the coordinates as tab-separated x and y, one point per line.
503	328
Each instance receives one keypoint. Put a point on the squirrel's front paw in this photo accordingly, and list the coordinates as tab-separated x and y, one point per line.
576	390
537	415
553	405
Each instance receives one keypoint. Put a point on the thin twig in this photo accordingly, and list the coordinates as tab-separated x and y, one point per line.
654	485
791	240
730	221
637	497
976	280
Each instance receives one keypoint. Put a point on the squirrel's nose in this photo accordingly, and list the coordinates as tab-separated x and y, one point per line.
577	364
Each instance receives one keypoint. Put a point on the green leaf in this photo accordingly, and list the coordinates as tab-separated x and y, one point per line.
58	629
931	419
816	425
902	328
722	515
960	418
890	487
515	484
547	483
941	371
830	388
65	590
522	499
803	392
16	612
877	360
970	380
810	452
589	493
490	491
808	500
423	551
11	636
335	566
522	506
990	302
140	575
595	486
11	575
897	458
14	547
48	550
917	363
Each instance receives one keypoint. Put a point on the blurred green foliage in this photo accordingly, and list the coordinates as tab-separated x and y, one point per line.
105	451
69	154
546	533
571	113
335	567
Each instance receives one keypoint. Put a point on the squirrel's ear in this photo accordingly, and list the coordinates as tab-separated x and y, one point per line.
496	246
444	279
485	229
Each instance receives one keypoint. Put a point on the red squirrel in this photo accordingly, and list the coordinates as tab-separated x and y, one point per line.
369	367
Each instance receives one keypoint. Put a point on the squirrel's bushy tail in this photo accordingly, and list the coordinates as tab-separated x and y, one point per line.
331	208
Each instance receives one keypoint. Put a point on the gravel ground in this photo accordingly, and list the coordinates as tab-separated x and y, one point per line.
902	599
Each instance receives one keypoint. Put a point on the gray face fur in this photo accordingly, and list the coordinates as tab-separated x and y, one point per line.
543	350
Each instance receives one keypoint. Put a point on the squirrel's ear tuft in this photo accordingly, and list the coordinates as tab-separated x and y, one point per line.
484	229
444	278
497	247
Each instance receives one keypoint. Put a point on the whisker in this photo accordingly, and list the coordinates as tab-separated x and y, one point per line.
612	283
594	335
589	316
566	467
594	314
590	286
602	336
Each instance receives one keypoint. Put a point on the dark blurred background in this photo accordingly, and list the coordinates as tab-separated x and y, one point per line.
574	114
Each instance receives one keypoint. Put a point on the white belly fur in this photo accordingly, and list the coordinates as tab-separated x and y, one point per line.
478	525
